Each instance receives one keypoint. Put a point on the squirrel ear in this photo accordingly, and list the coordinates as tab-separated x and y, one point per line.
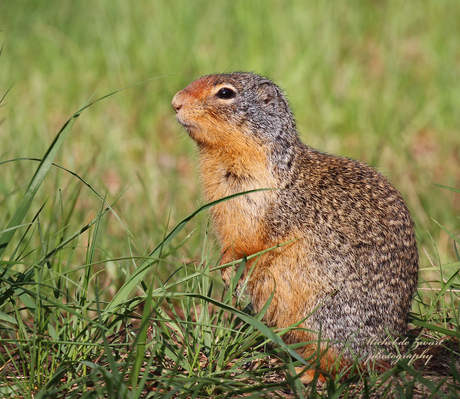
267	92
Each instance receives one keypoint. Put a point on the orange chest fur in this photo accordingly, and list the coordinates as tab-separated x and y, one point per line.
239	223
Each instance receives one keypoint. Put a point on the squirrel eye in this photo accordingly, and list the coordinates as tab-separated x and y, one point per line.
225	93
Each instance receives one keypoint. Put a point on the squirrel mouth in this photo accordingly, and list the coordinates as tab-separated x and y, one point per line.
187	126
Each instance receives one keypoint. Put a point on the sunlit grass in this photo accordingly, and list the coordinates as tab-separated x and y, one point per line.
375	81
87	261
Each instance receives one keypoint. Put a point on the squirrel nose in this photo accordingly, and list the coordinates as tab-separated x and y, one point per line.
178	101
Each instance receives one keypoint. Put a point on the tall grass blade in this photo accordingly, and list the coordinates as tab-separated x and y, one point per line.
9	88
35	183
452	235
433	327
141	339
455	190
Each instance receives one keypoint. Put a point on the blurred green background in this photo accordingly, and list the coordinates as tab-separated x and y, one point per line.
375	80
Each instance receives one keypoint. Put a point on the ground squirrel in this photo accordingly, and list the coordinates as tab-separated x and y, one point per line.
351	268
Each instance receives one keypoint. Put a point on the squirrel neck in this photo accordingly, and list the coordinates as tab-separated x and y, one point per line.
251	164
226	171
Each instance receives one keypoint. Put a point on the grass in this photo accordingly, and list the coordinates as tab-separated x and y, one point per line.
107	287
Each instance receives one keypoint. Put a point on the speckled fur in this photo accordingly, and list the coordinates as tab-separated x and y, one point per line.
354	258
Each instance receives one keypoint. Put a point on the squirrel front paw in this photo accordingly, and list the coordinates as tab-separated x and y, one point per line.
227	275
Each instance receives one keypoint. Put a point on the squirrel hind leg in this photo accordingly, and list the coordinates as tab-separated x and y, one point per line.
329	362
308	375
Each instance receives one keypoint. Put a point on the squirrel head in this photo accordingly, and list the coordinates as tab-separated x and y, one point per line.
220	110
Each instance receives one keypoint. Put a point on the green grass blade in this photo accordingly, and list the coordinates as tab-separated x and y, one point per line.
7	318
141	340
455	190
9	88
433	327
35	183
452	235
